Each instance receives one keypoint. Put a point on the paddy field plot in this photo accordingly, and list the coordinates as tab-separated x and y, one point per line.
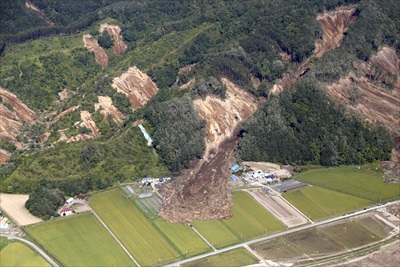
237	257
349	180
150	206
250	219
80	240
319	203
183	237
216	233
145	243
18	254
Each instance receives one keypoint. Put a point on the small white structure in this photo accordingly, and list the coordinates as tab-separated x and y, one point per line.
65	211
69	200
147	180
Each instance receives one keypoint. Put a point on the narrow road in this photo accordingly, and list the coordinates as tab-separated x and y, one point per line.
202	237
292	230
33	246
76	201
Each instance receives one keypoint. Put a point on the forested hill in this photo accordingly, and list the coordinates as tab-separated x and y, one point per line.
185	47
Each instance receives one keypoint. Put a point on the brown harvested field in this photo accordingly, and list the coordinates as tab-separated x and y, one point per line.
279	208
277	249
376	225
79	208
264	166
14	206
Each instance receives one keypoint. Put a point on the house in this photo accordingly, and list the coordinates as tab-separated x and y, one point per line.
147	180
65	211
69	200
234	178
81	197
235	167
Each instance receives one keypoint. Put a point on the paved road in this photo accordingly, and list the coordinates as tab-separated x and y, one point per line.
32	245
300	228
76	201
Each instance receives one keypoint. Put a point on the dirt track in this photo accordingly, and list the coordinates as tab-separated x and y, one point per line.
279	208
14	206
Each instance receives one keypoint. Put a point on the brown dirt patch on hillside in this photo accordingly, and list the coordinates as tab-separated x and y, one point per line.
107	108
93	46
119	45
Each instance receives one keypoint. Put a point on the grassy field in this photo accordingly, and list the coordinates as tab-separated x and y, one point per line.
80	240
17	254
183	237
361	183
3	242
216	233
139	236
236	257
320	203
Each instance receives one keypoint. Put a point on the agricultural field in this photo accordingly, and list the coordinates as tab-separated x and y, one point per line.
80	240
237	257
146	244
150	206
17	254
376	226
362	183
319	203
183	237
250	219
216	233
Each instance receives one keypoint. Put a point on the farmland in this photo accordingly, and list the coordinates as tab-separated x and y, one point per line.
320	203
237	257
80	240
349	180
133	229
216	233
17	254
183	237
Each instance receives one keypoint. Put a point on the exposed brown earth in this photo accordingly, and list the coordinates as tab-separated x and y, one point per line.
62	114
31	6
93	46
136	85
119	46
107	108
201	193
63	95
334	25
14	206
88	122
4	156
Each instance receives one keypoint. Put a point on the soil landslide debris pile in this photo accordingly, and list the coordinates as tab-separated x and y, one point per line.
62	114
11	120
334	25
87	121
31	6
119	46
4	156
107	108
136	85
93	46
201	193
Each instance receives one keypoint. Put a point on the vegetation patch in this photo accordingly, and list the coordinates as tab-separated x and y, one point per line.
350	180
277	249
216	233
319	203
150	206
17	254
183	237
133	229
237	257
80	240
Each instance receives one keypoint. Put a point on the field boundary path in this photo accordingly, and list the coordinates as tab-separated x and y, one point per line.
292	230
108	229
202	237
35	247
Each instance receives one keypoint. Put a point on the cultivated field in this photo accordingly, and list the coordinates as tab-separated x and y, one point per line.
361	183
321	241
17	254
237	257
14	206
319	203
183	237
80	240
133	229
149	205
279	208
216	233
250	219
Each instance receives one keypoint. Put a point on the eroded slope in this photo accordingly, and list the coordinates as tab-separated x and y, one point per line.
119	45
107	108
93	46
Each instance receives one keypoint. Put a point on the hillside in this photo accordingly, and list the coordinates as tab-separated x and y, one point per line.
294	82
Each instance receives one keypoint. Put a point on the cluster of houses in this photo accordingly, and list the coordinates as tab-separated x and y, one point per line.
249	175
66	209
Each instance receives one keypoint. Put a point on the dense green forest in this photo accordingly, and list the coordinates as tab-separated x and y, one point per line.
43	54
304	127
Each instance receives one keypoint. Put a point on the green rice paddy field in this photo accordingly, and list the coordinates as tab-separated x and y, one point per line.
18	254
320	203
362	183
216	233
80	240
146	244
237	257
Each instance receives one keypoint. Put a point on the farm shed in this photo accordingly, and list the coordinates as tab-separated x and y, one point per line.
65	211
69	200
147	180
235	167
81	197
234	178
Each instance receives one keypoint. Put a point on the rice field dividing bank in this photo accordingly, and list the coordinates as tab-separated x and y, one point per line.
319	203
145	243
353	181
79	240
18	254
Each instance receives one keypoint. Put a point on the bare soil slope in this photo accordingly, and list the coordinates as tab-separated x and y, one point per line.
107	108
201	193
119	46
93	46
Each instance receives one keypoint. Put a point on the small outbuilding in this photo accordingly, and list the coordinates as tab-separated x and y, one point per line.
69	200
235	167
147	180
65	211
234	178
81	197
